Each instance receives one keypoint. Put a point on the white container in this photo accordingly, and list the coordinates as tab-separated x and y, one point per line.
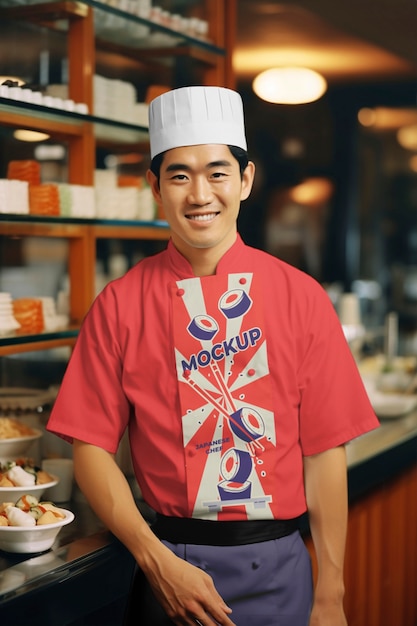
348	309
64	470
24	540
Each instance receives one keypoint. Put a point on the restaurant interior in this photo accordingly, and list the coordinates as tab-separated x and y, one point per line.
335	195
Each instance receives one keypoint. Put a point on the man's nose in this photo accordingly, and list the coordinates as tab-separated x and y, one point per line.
200	192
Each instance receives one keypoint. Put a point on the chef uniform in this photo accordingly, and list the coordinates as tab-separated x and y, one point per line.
224	383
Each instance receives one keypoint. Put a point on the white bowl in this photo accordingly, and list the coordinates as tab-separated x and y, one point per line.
12	494
24	540
11	449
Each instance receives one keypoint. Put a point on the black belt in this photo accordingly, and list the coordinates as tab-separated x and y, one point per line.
213	533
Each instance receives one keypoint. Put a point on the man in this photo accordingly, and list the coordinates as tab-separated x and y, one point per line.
231	371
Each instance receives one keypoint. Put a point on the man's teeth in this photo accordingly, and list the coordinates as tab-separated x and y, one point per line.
202	218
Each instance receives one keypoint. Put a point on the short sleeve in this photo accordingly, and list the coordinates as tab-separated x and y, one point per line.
91	404
334	405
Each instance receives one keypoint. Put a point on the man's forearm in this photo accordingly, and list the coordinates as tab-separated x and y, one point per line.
109	494
326	493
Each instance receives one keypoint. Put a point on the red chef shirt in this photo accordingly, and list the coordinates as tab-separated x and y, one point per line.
224	382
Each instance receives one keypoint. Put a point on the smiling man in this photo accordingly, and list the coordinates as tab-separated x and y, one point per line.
200	191
231	372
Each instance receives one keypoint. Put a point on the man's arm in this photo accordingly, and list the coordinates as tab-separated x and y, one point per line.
184	591
325	477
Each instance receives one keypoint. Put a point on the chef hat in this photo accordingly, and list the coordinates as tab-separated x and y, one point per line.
196	115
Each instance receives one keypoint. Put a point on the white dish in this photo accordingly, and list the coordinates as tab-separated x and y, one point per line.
12	494
24	540
394	406
12	448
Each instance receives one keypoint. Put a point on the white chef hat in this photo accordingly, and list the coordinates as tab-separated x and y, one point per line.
196	115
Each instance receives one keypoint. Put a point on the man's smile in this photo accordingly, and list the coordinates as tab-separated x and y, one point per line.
202	217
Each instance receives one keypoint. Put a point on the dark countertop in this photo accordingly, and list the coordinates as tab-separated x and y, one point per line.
381	454
49	588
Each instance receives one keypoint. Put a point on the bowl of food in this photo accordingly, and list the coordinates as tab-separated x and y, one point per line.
28	526
15	438
11	494
21	477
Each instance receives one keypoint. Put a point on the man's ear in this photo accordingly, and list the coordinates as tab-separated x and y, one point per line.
154	185
247	180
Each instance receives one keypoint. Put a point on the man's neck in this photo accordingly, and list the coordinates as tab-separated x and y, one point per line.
204	261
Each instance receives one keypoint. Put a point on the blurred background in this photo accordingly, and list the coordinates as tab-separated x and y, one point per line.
337	178
336	185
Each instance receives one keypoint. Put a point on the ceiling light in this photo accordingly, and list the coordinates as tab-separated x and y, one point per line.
289	85
387	118
367	117
29	135
407	137
312	191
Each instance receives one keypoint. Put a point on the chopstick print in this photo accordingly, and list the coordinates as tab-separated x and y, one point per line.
241	428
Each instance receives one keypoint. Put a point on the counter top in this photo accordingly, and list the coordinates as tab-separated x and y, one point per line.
85	553
391	433
375	457
84	556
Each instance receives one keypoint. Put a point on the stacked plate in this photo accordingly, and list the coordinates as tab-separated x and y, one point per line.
8	323
16	439
52	321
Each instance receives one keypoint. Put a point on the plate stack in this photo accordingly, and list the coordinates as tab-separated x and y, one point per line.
52	321
8	323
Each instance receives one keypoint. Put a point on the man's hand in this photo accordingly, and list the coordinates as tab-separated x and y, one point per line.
327	615
187	593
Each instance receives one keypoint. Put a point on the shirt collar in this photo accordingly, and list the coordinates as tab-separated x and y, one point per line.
183	269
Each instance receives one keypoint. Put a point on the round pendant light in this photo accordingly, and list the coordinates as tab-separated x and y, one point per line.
407	137
289	85
29	135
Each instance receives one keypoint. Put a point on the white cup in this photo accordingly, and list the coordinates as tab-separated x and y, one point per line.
349	309
64	470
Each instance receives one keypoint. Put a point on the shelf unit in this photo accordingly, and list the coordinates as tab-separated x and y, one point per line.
82	236
83	133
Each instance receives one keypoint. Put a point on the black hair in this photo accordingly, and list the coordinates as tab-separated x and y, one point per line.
240	155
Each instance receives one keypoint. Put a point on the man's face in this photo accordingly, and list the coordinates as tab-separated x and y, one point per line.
200	191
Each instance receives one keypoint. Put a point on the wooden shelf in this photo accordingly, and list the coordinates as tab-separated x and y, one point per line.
13	225
46	12
82	236
52	13
65	124
162	50
19	344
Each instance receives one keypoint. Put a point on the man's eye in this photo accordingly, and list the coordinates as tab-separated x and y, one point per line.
218	174
179	177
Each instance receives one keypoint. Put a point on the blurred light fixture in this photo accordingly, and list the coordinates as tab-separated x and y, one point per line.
289	85
387	118
29	135
407	137
312	191
292	148
413	163
367	117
